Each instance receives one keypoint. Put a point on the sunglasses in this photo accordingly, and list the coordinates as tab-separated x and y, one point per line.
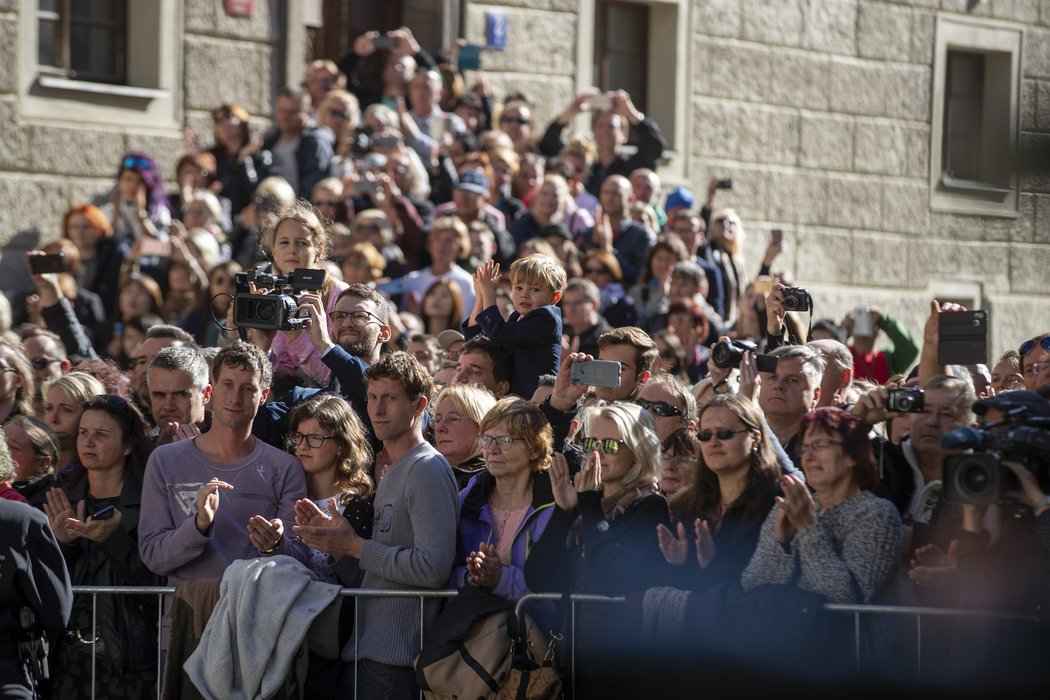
326	203
609	446
345	116
513	120
724	434
135	163
659	408
595	271
1029	345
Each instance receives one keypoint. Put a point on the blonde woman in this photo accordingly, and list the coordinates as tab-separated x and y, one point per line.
458	413
64	398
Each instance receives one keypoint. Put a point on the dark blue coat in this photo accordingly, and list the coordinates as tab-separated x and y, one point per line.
533	341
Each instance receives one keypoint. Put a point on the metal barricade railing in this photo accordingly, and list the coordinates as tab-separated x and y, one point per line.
856	612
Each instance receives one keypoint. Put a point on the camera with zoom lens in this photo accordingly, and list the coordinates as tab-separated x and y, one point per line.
905	400
797	299
728	354
980	477
277	310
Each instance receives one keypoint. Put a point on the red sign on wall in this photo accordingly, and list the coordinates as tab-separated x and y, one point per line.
239	8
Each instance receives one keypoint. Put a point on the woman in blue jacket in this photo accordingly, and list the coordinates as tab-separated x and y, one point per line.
506	507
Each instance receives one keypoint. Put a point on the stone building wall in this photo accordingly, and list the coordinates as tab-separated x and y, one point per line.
49	164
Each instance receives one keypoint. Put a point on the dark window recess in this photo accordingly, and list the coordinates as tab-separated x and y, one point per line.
83	39
963	117
621	49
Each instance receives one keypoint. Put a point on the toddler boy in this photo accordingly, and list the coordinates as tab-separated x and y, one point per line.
533	331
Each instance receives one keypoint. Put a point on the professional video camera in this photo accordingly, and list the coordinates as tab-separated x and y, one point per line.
276	310
979	477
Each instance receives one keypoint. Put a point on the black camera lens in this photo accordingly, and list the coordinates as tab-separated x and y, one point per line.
725	355
265	310
976	479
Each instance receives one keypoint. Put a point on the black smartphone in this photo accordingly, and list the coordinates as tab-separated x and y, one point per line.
386	142
725	183
777	235
767	363
47	264
469	57
963	338
383	42
104	513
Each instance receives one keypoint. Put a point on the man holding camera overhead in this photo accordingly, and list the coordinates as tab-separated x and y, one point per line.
615	117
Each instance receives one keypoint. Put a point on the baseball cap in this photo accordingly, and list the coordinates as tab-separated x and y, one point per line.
679	198
473	181
448	338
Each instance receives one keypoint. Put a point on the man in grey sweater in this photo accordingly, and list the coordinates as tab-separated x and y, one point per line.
413	541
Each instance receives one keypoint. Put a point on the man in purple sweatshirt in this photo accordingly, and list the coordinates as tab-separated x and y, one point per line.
223	495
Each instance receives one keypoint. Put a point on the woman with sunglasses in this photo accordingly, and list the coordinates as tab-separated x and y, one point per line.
505	507
240	163
721	507
602	268
831	535
95	517
602	537
458	414
138	204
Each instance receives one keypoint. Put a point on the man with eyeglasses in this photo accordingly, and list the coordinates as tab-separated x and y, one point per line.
360	324
1035	361
690	229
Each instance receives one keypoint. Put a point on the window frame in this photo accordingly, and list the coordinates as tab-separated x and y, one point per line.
1000	44
63	19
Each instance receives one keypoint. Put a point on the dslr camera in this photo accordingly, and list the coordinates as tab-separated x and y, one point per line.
277	310
905	400
797	299
980	477
728	354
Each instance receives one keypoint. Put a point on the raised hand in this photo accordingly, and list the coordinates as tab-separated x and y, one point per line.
562	483
797	509
590	478
705	543
932	567
208	502
94	530
59	511
602	234
674	549
565	394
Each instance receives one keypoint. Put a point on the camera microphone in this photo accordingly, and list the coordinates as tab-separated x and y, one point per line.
962	439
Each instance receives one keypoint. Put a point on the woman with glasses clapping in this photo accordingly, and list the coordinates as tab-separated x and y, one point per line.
841	541
725	499
505	507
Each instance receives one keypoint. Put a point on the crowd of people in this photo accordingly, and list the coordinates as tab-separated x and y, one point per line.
431	416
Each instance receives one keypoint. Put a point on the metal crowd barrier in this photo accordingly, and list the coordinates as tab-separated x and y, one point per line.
856	612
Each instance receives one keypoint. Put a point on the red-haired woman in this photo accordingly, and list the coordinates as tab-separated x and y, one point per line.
841	541
101	255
